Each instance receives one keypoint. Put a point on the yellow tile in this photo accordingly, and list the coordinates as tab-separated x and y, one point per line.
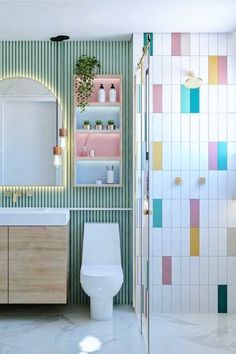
213	70
194	241
157	155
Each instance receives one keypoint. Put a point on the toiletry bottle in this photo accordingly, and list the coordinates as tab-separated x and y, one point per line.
112	94
101	94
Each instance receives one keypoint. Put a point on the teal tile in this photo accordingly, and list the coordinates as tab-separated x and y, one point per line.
185	99
222	298
194	100
145	40
157	213
222	156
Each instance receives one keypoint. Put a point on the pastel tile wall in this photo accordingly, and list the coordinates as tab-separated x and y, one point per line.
193	134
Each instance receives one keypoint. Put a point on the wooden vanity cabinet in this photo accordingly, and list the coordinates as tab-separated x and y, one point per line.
33	264
3	265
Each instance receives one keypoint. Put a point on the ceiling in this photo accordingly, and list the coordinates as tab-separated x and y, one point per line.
112	19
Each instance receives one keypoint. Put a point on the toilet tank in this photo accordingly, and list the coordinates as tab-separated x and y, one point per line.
101	244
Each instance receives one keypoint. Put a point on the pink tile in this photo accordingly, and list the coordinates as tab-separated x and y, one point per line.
176	44
104	145
194	213
222	70
157	98
166	270
212	155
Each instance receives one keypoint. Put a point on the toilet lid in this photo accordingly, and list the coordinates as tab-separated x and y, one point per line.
101	271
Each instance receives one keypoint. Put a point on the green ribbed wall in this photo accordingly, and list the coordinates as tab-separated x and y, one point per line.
36	60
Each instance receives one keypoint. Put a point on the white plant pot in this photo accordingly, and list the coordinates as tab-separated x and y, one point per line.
110	126
99	127
86	126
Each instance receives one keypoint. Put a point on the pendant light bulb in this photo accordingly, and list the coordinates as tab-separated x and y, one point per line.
57	156
63	138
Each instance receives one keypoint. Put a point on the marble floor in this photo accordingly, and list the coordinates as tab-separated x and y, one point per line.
68	330
193	334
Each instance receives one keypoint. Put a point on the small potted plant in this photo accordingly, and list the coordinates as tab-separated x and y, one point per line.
110	125
98	125
87	125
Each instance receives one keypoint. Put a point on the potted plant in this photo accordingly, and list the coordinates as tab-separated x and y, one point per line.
85	68
98	125
87	125
110	125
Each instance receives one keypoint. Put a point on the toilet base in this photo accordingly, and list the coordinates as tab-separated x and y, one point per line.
101	309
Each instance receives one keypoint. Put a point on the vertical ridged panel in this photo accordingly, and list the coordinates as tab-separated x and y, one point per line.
36	60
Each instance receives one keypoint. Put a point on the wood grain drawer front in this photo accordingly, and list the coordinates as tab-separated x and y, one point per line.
38	265
3	264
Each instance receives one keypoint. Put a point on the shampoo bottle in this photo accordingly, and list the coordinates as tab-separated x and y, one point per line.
112	94
101	94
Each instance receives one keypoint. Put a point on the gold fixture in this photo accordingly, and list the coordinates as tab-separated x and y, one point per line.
193	82
29	193
201	180
7	194
178	181
16	195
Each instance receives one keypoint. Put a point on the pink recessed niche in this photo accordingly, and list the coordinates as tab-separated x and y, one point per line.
107	81
104	145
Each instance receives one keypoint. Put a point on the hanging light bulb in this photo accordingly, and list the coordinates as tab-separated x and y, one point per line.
57	156
63	138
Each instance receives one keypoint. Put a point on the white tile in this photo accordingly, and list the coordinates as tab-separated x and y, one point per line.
156	291
185	213
166	98
166	300
231	213
185	270
222	241
203	270
194	127
175	156
213	127
166	210
204	298
175	215
156	249
213	179
194	44
204	44
185	186
166	44
231	98
213	44
194	186
232	43
232	156
166	241
166	184
195	65
231	122
222	43
222	185
185	67
203	62
231	304
204	213
204	99
176	295
213	298
157	40
176	70
203	131
231	184
203	156
176	127
204	188
204	241
176	238
185	156
194	270
231	70
194	157
185	127
167	127
222	101
175	102
194	298
185	298
213	241
222	212
166	67
175	270
157	72
222	127
222	270
185	242
213	213
185	43
213	270
156	270
213	98
156	127
156	181
166	156
231	270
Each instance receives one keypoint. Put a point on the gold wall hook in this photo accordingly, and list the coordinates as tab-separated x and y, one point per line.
201	180
178	181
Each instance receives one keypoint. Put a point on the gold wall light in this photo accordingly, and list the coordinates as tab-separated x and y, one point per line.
178	181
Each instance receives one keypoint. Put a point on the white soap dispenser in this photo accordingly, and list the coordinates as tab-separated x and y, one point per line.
112	94
101	94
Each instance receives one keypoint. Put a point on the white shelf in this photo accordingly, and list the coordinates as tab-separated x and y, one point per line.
94	131
105	104
98	158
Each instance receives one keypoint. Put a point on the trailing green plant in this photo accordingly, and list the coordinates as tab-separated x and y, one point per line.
85	68
110	122
87	122
98	122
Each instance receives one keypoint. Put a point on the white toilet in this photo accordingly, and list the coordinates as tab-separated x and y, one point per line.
101	274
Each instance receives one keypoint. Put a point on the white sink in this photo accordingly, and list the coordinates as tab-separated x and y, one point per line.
34	216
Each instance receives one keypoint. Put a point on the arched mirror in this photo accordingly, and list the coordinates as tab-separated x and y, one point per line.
27	134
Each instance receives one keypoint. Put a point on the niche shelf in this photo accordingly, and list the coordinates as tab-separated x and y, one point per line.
106	144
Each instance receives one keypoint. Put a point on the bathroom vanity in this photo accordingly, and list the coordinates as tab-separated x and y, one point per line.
33	255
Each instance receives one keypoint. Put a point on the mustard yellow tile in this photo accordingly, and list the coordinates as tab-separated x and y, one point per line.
157	155
212	70
194	241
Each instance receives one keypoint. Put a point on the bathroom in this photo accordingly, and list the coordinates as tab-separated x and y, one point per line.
117	184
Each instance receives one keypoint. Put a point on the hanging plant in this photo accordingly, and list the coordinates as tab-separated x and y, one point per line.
86	69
